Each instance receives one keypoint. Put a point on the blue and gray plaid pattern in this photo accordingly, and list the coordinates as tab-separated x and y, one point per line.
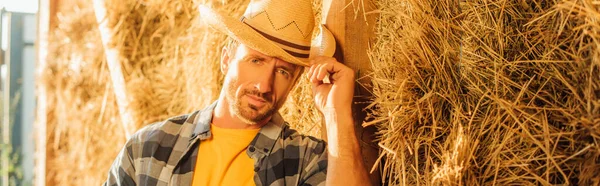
165	153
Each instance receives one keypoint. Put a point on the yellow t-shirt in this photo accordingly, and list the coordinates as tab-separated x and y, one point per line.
222	159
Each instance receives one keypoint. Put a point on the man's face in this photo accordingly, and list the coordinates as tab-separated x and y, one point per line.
256	84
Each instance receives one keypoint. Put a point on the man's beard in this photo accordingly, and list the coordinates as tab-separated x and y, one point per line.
247	112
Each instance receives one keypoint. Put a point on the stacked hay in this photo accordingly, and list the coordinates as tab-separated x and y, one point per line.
520	104
532	76
169	63
415	86
82	119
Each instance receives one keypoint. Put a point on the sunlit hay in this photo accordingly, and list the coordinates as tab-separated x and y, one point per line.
524	107
169	61
83	127
534	71
416	91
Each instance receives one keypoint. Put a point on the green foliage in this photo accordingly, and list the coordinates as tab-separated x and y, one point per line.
8	155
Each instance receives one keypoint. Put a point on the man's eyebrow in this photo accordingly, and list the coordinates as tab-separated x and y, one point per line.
289	68
254	56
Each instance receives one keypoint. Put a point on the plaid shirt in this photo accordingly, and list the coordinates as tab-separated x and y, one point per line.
164	153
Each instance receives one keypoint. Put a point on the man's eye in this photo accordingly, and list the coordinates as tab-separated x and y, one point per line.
283	72
256	61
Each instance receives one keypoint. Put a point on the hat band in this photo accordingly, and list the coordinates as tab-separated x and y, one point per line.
284	43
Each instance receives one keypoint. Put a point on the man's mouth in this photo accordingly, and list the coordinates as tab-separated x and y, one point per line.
255	100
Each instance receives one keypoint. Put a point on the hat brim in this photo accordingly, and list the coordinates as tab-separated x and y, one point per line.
246	35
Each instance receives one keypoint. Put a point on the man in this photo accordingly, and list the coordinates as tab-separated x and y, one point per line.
241	139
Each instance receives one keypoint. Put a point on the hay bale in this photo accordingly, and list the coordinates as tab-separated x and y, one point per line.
82	118
168	61
498	92
531	74
415	86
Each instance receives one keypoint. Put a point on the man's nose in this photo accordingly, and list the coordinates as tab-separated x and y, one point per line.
265	81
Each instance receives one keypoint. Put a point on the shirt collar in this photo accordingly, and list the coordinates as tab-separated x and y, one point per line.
203	121
265	140
262	143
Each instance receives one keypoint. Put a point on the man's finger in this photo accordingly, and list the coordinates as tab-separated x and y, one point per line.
325	74
310	71
323	70
313	77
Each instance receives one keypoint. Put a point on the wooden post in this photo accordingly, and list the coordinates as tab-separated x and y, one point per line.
353	29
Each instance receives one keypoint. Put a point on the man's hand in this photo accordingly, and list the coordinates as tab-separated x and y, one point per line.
336	95
345	164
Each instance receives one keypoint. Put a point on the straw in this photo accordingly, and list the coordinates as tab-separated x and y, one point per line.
82	117
487	92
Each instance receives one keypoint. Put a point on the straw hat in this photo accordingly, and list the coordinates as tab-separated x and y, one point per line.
278	28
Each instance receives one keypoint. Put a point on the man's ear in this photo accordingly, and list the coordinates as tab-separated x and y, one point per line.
225	59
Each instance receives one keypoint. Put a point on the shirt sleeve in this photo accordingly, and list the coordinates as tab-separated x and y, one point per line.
122	171
316	172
